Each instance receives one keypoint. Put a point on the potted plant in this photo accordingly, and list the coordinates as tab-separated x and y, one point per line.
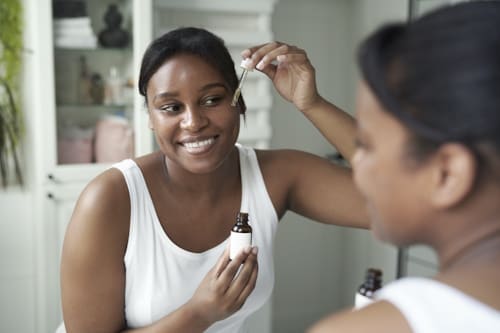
11	118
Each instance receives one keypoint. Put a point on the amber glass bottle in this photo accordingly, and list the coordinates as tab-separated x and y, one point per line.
373	282
241	235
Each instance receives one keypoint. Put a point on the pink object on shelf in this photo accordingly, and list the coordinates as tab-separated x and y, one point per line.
114	140
75	145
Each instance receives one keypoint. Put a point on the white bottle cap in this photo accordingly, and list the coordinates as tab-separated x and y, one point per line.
246	64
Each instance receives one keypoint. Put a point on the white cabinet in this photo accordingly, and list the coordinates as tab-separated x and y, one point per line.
71	99
77	86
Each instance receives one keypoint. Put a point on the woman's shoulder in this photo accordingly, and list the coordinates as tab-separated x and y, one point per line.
377	317
103	204
109	186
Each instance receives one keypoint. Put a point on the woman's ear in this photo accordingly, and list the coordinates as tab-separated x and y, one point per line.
454	175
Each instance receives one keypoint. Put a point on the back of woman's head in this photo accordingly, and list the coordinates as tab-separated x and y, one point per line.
194	41
440	75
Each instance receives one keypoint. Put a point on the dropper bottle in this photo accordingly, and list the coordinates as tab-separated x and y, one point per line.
241	235
245	64
365	292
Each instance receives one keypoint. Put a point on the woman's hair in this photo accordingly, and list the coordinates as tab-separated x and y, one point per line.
440	76
194	41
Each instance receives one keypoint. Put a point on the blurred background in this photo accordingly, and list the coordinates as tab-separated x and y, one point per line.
77	96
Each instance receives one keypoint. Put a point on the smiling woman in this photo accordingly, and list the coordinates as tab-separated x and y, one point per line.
194	130
147	245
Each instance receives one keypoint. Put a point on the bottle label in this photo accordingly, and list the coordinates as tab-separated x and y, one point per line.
238	241
361	301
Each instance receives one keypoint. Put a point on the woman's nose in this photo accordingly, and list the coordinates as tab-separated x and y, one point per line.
194	119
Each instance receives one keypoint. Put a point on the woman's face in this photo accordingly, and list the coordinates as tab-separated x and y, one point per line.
190	112
394	190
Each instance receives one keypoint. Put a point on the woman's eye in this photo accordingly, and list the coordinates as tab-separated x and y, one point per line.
212	101
170	108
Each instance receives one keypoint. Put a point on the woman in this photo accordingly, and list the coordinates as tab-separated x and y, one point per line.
146	248
428	164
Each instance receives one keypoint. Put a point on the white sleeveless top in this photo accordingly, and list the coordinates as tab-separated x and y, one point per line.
430	306
161	276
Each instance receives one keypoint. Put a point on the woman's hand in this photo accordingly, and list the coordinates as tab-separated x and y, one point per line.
290	71
226	287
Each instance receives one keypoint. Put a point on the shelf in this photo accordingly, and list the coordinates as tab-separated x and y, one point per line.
233	37
92	50
255	6
95	106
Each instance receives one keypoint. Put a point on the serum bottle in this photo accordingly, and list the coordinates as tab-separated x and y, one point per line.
373	282
241	235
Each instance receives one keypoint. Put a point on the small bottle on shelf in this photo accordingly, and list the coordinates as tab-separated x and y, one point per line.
113	94
241	235
84	83
365	292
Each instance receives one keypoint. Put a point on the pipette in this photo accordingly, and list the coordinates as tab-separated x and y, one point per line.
246	68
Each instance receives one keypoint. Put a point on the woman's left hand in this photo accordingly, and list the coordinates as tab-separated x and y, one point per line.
289	69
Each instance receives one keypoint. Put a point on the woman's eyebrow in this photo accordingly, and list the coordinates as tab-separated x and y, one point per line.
165	95
213	85
169	94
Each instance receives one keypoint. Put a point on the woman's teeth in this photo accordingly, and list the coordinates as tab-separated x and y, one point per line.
198	146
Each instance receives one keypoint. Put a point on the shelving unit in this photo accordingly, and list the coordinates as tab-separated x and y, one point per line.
57	182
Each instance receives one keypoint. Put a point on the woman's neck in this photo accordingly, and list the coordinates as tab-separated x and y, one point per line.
183	182
479	246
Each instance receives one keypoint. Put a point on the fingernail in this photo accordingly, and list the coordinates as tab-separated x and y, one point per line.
260	65
255	250
281	57
247	249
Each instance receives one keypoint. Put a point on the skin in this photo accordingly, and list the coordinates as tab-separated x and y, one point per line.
444	210
189	101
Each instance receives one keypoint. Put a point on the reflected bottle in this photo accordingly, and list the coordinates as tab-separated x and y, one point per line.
241	235
113	94
84	83
365	292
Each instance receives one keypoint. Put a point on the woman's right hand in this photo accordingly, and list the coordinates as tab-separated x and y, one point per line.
226	286
289	69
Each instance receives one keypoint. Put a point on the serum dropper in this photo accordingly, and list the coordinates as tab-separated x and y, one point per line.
245	64
241	235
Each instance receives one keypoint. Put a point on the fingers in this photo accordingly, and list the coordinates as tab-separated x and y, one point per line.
263	56
222	262
245	282
249	287
241	279
227	275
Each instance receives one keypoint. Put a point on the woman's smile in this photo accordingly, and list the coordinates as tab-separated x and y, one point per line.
200	145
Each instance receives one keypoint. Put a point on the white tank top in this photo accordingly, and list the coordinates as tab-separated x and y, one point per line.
161	276
430	306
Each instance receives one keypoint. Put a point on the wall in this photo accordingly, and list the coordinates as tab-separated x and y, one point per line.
361	249
17	230
17	272
308	254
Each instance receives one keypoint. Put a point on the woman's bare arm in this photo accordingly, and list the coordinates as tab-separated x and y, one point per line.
93	272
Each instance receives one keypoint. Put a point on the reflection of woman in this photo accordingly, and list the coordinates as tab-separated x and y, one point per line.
145	247
428	162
